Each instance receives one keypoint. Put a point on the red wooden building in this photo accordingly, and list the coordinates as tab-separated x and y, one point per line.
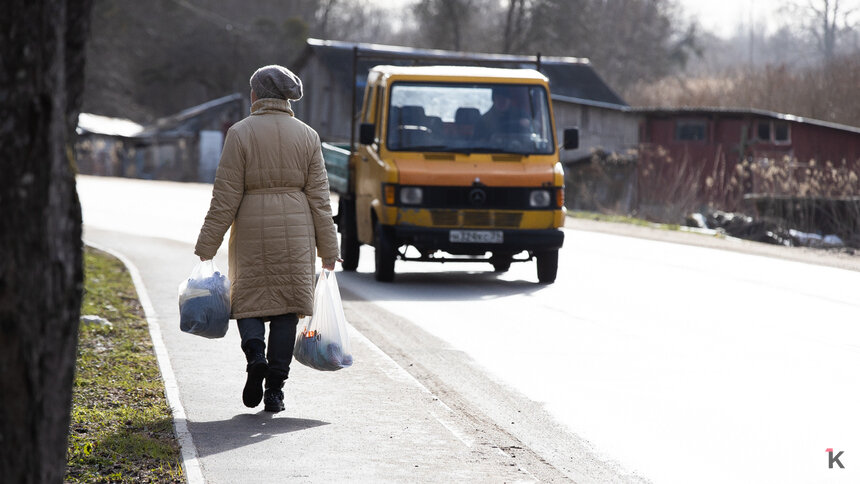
715	156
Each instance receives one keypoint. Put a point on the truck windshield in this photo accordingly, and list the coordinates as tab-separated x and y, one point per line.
469	118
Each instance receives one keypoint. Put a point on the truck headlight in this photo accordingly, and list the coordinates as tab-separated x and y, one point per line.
539	198
411	195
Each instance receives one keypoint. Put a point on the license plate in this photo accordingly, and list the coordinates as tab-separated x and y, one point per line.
476	236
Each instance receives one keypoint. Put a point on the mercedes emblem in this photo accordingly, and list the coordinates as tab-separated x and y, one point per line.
477	196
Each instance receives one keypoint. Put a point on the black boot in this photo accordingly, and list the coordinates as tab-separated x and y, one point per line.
257	370
274	399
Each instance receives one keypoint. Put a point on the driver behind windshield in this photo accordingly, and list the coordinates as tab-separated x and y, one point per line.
507	114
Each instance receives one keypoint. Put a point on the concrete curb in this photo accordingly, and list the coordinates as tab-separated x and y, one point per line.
190	463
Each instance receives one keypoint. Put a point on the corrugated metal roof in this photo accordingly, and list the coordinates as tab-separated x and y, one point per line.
94	123
588	102
412	52
728	111
572	77
179	122
580	81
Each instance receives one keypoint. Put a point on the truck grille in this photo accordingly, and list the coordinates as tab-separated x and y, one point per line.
477	219
475	197
508	219
445	217
470	218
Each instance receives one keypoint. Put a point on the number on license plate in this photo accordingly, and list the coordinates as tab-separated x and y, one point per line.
476	236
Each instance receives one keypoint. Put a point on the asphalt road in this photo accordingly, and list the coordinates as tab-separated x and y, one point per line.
646	361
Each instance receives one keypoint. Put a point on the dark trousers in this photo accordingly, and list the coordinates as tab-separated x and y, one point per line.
282	339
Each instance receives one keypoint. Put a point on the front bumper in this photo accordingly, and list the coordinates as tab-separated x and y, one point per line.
514	241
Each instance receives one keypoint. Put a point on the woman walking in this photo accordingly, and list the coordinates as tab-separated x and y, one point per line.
271	187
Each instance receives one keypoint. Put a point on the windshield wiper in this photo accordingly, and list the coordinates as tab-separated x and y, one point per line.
497	150
466	150
449	149
427	148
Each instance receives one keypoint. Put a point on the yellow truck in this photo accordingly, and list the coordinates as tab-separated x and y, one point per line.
452	163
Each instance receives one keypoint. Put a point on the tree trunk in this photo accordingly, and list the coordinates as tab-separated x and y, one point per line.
453	10
514	27
41	274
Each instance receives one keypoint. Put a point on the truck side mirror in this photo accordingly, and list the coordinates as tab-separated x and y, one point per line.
367	133
571	138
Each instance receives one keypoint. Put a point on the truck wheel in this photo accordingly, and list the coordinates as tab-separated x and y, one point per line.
547	265
500	263
385	253
349	244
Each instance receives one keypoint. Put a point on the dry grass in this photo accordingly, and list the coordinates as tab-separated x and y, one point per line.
808	196
788	176
827	92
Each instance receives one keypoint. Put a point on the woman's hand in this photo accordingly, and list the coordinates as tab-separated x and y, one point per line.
330	267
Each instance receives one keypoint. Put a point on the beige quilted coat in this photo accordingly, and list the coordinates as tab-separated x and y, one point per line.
271	186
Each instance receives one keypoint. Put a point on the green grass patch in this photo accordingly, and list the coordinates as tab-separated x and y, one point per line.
121	428
624	219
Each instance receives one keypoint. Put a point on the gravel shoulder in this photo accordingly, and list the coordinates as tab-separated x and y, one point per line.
838	258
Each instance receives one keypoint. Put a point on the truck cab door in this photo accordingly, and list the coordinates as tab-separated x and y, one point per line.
368	181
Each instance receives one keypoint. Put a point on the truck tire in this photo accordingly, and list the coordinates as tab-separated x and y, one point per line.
501	263
386	253
547	265
349	244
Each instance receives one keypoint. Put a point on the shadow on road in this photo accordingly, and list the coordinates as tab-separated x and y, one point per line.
436	286
217	436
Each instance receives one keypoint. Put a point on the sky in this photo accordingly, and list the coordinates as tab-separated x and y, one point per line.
721	17
724	16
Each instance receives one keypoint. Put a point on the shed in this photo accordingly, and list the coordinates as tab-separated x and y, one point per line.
185	146
720	155
103	143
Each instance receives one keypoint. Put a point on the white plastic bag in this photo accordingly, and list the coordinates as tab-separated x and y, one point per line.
323	342
204	301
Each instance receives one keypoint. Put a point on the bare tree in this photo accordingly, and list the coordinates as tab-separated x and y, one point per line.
826	13
324	14
355	21
626	40
516	25
444	22
826	21
41	274
154	58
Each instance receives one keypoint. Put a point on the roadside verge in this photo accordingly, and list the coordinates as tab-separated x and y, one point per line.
190	464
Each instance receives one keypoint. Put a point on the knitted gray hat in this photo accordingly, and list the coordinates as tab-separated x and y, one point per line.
277	82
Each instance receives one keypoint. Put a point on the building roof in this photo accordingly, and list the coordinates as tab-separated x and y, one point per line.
189	120
93	123
571	79
741	112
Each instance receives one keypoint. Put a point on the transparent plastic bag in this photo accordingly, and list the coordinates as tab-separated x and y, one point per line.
323	342
204	301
